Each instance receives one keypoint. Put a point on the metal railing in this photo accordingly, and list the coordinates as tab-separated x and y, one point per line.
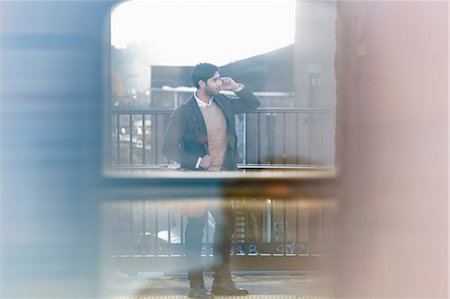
137	135
268	136
270	234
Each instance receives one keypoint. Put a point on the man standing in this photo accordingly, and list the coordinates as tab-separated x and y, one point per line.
201	136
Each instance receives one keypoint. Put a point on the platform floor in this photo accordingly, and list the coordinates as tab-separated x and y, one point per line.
308	286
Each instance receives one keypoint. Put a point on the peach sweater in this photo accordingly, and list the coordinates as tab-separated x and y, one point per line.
216	126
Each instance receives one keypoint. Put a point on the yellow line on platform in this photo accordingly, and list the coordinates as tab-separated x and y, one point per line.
246	297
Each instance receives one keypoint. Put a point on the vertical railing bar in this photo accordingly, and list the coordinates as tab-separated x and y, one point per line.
156	139
259	137
296	138
207	230
284	228
181	230
321	138
206	227
309	234
115	218
120	212
143	138
131	139
144	236
271	137
261	226
312	232
169	231
272	231
309	122
297	239
321	226
118	138
245	139
246	219
284	138
153	137
131	219
234	232
156	231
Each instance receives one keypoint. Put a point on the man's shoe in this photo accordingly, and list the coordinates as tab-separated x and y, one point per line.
227	288
199	292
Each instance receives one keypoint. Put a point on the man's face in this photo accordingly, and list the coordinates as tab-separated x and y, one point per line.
213	85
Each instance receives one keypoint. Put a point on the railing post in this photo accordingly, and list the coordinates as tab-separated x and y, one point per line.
131	138
118	137
154	136
143	138
245	141
271	130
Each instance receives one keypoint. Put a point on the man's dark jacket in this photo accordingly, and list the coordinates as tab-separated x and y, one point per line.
185	139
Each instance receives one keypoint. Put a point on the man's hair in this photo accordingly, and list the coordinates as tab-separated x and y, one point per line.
203	71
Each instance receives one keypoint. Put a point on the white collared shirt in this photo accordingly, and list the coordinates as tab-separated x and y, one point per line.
202	104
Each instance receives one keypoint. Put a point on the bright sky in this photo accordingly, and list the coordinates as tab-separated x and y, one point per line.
216	31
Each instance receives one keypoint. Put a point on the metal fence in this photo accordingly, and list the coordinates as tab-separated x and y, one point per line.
268	136
270	234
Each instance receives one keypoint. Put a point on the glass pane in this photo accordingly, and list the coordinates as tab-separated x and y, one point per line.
287	62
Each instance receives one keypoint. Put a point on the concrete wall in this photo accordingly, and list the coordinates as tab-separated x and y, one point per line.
315	46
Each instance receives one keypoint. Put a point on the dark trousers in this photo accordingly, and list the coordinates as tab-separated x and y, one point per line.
225	220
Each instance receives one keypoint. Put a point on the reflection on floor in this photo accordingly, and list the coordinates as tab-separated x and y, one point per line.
301	286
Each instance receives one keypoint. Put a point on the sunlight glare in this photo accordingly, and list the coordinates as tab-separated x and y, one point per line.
186	32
